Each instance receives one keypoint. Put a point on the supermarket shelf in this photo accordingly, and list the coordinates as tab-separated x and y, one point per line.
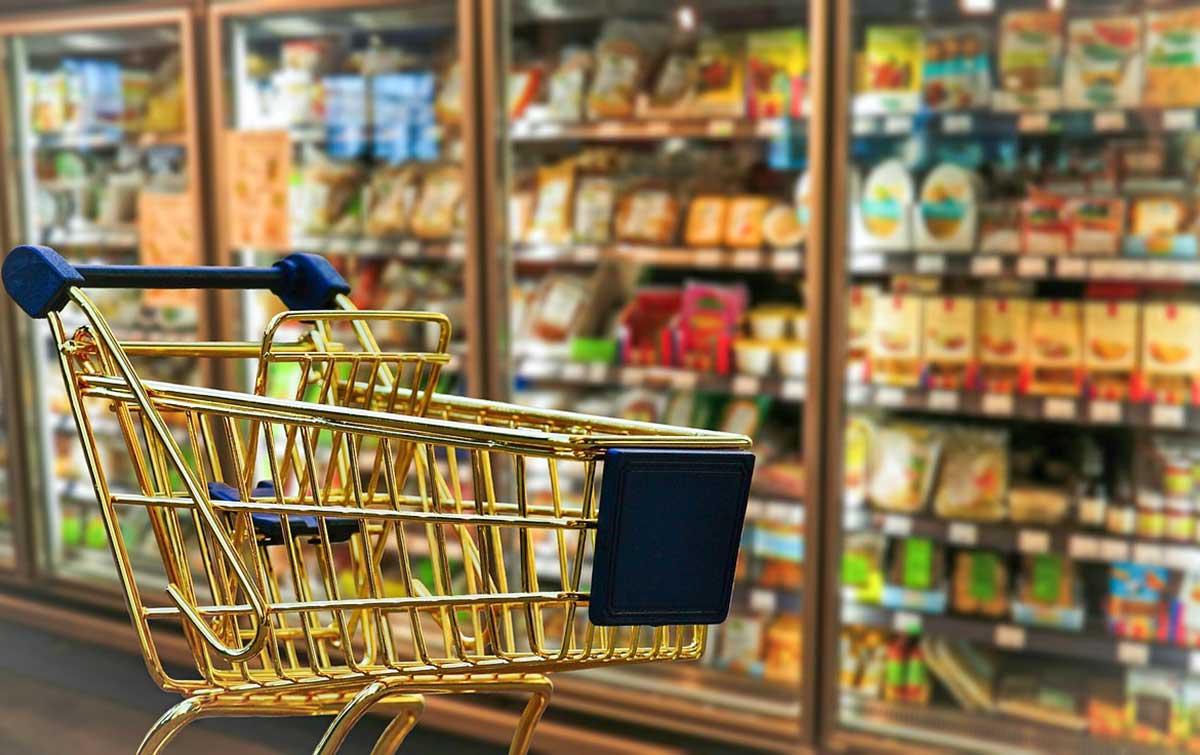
992	123
109	138
528	130
974	731
1065	268
1076	411
789	260
1089	646
582	374
109	238
363	246
766	601
1080	545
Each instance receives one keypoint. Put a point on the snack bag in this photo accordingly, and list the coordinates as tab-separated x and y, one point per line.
972	480
1173	58
896	337
437	209
594	204
1056	354
552	212
1097	225
949	343
744	222
648	215
1170	358
894	57
568	85
721	73
1110	358
957	73
1030	60
706	221
777	60
1000	227
392	196
623	55
903	458
1003	343
1104	62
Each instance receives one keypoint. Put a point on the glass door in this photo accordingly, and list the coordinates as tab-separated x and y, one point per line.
338	127
654	158
1019	554
101	123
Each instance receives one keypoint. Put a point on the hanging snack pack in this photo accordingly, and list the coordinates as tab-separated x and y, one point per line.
568	85
1104	63
1030	60
392	196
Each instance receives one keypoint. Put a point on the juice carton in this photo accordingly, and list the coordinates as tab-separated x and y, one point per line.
1055	353
896	340
1170	357
1111	331
949	342
1003	343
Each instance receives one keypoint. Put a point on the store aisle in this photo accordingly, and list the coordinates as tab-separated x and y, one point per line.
60	696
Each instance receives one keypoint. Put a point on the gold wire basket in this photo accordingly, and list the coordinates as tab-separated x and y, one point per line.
345	539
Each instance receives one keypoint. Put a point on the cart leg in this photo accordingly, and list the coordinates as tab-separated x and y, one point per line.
336	734
393	736
171	723
542	688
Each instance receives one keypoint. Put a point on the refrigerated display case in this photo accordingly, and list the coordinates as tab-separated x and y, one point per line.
338	130
101	132
1013	266
652	249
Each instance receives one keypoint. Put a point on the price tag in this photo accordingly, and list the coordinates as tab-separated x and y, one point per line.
856	394
658	128
897	124
1070	267
940	400
598	373
1033	122
1133	653
897	526
889	396
1150	555
1033	541
962	533
792	390
1109	120
1031	267
1058	408
866	262
574	371
1194	663
762	601
746	385
721	127
1108	412
548	128
683	380
632	376
1009	636
1179	120
785	259
587	253
1084	548
906	622
1167	415
708	258
457	250
609	128
956	123
536	369
997	404
863	125
986	266
409	248
769	127
747	259
1114	550
931	264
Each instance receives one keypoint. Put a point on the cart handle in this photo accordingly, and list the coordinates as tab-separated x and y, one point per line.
38	279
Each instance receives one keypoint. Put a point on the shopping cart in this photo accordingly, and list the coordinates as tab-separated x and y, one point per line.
354	540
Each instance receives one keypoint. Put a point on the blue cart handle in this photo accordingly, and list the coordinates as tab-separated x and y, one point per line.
39	279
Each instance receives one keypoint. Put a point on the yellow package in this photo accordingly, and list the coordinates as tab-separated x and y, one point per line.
894	57
721	64
552	211
1110	355
437	209
1170	358
744	223
778	72
706	221
1173	58
649	216
896	340
1055	358
949	347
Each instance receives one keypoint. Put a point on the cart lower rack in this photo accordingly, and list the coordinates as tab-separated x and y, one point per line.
362	541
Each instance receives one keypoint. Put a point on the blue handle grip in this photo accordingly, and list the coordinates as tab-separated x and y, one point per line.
38	279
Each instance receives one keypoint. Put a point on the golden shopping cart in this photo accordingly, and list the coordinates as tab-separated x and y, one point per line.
362	540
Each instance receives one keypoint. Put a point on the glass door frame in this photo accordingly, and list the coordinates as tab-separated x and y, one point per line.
466	18
22	391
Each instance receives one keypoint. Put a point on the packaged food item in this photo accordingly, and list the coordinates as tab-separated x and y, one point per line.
552	222
620	69
1048	696
894	56
855	468
1044	225
647	215
708	321
957	73
392	196
438	208
769	322
885	208
800	197
522	88
1030	60
448	106
1111	330
777	63
568	85
862	566
1139	605
972	478
792	358
1170	358
948	350
896	331
674	88
1037	504
1104	62
558	307
1172	58
595	201
706	221
782	478
967	670
782	227
1097	225
1152	704
721	73
902	461
1003	343
328	198
980	583
1161	227
644	326
1106	707
1048	593
752	356
1000	227
859	326
948	215
744	222
741	645
916	576
743	416
1056	353
784	650
520	215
